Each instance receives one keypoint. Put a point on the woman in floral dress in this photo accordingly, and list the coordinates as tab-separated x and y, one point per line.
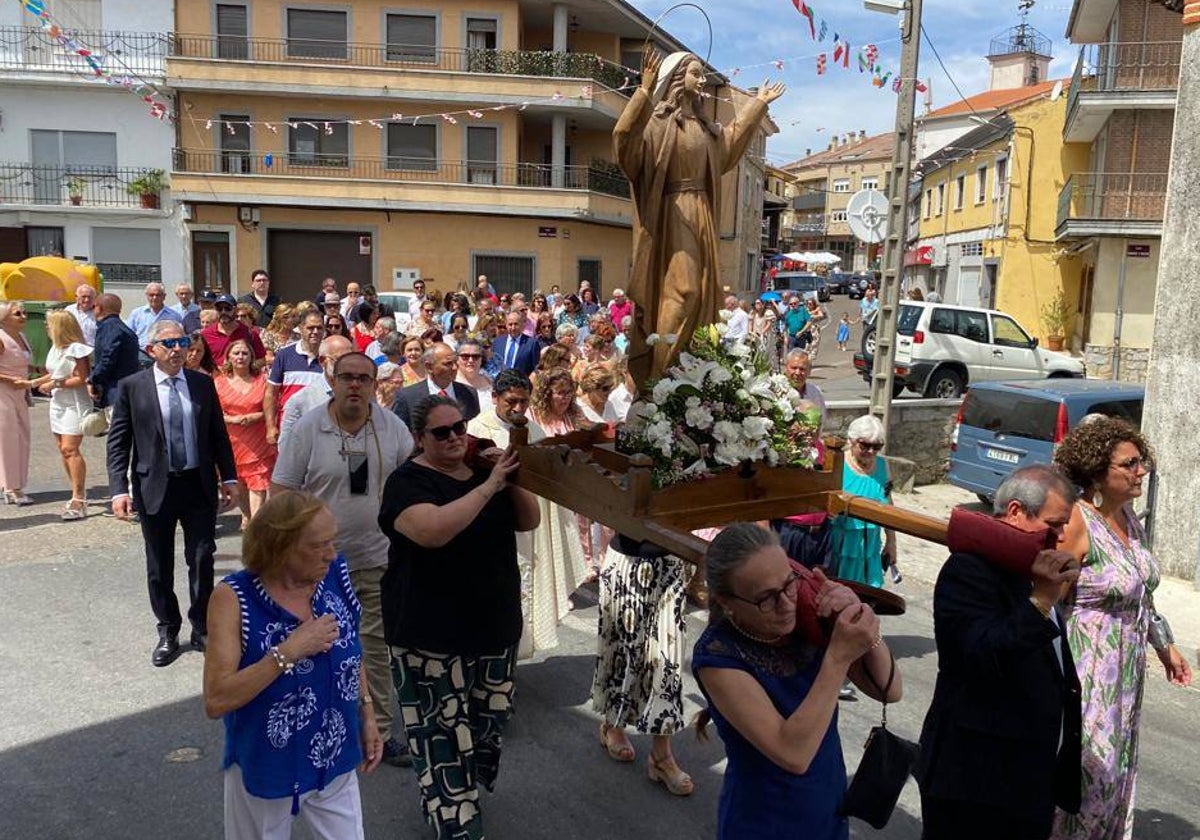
1107	621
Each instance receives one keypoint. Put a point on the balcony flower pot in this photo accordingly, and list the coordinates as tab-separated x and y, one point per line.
1055	342
1055	317
75	191
149	185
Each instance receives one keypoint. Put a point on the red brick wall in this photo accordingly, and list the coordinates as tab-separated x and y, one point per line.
1141	20
1148	133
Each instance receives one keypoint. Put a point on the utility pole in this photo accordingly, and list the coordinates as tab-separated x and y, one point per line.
893	255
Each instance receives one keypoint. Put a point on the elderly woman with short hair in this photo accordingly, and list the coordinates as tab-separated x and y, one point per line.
472	359
858	548
283	667
452	610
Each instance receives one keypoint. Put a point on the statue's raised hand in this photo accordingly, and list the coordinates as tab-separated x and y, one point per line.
651	61
770	91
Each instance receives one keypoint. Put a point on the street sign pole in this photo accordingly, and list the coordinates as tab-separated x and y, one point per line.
883	371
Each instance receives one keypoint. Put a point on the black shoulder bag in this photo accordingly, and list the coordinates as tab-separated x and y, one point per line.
885	766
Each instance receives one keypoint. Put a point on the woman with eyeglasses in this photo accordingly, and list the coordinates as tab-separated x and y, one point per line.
472	363
452	610
425	320
198	356
458	305
544	331
241	388
538	305
335	324
15	399
278	333
1110	619
246	316
460	332
573	313
861	550
772	687
595	384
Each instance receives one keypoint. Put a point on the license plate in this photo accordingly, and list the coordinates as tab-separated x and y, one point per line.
1001	455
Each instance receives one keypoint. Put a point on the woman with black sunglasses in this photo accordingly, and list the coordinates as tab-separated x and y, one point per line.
452	609
335	325
861	550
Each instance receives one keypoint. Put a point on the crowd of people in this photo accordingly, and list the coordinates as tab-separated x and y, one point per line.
391	562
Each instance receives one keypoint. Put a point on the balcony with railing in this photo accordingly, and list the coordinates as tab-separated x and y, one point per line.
58	188
1112	204
32	52
1110	77
208	62
598	189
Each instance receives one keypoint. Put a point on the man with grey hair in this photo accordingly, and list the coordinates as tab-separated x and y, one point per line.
315	394
156	309
441	363
737	321
84	312
797	366
1001	745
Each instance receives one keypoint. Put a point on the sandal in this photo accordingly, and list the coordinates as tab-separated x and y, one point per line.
76	509
666	772
16	497
617	751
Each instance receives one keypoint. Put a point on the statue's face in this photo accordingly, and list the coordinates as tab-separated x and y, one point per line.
693	79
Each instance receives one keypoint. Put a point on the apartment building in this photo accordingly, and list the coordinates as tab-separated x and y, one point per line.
823	185
987	207
1121	113
386	141
71	145
776	185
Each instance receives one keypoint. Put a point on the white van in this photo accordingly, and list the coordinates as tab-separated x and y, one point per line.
940	349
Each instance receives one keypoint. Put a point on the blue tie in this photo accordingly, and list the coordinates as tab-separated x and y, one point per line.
510	358
175	427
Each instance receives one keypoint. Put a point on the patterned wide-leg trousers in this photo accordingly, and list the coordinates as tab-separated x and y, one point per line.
455	709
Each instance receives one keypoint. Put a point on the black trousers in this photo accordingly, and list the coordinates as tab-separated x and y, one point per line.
944	819
183	504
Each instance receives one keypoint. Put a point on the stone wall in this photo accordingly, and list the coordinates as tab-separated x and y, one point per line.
920	432
1098	359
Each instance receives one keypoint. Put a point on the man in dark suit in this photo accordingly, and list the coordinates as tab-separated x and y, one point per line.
442	365
168	427
116	353
514	349
1001	743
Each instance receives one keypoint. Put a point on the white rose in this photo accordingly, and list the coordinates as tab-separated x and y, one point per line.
726	432
697	416
663	389
757	428
719	375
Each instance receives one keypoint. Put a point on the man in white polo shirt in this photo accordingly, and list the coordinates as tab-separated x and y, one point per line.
342	454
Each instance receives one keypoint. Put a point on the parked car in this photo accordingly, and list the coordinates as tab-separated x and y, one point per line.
941	349
859	285
399	301
1002	426
808	285
839	282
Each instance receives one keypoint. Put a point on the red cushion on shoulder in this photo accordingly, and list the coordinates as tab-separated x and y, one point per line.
996	541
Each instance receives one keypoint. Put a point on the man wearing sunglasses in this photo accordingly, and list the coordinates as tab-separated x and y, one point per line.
156	309
343	453
168	427
228	329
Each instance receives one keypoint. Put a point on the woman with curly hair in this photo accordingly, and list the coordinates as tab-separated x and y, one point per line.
554	409
278	333
1109	620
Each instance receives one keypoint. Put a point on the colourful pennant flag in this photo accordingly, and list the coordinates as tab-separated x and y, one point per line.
778	64
821	32
872	54
897	84
862	61
821	64
804	9
921	86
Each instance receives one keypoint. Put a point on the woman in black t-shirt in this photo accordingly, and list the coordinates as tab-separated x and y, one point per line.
452	610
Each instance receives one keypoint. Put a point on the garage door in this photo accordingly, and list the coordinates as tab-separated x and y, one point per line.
968	286
300	259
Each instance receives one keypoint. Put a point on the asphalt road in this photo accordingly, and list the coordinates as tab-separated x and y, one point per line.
99	744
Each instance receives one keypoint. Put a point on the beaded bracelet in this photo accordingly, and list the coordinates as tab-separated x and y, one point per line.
281	660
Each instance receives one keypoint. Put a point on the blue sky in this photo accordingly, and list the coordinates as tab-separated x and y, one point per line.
756	32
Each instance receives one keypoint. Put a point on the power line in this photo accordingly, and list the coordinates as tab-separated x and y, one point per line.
942	64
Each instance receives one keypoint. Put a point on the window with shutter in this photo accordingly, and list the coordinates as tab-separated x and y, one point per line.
507	273
483	154
412	38
412	147
481	33
313	33
311	143
232	29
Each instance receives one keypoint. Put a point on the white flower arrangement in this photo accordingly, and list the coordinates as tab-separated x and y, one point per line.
721	406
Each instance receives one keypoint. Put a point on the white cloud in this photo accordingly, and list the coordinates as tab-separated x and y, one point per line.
756	32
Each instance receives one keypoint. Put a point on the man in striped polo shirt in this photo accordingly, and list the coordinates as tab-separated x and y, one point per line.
295	367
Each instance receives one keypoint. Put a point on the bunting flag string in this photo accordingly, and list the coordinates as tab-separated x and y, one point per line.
821	64
867	56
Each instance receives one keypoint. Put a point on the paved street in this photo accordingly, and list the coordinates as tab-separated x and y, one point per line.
99	744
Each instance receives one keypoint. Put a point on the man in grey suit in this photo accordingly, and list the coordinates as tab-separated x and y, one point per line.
167	427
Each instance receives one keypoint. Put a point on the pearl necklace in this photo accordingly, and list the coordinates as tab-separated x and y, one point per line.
754	638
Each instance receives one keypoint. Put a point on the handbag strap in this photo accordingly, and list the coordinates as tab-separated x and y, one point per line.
885	689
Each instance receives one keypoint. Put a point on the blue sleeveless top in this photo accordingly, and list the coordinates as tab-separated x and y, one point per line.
759	799
301	731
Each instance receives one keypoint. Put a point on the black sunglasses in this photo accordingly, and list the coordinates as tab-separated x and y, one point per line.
870	447
223	307
443	433
183	343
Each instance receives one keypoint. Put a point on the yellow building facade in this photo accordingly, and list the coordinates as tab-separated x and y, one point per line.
385	141
988	210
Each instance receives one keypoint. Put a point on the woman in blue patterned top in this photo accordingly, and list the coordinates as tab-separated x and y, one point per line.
773	693
284	669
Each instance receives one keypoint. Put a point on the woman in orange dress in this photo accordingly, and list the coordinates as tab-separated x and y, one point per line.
241	388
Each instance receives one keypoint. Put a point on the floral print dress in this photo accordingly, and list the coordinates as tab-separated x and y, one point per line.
1107	619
